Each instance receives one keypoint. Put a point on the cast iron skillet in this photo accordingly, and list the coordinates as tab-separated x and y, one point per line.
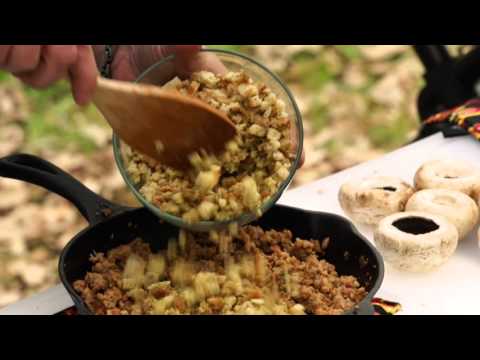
112	225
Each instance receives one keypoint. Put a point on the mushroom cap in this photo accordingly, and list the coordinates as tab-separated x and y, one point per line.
455	206
371	199
448	174
416	241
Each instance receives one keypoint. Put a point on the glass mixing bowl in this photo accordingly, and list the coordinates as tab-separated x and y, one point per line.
164	71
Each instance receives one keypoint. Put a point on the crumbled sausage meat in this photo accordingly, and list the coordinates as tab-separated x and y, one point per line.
262	272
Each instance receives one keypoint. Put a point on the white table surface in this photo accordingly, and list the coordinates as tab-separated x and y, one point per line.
452	289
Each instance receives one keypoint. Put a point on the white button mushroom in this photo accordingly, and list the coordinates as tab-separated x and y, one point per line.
371	199
455	206
448	174
416	241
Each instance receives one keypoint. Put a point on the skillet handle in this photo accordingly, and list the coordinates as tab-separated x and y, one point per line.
364	308
40	172
367	309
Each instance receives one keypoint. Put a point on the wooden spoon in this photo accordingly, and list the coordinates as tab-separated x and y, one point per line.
162	124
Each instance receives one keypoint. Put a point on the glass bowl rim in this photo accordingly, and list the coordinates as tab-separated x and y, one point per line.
244	218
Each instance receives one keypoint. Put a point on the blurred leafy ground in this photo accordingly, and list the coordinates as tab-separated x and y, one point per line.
357	103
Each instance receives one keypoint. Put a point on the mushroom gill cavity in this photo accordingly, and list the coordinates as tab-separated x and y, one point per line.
387	188
415	225
454	172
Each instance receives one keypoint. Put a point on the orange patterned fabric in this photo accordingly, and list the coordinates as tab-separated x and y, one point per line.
385	307
466	117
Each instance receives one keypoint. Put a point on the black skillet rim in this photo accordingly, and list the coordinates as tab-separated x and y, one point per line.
365	302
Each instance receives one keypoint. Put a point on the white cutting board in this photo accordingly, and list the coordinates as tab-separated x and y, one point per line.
452	289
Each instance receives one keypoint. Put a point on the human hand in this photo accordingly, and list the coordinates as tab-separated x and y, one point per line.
130	61
42	65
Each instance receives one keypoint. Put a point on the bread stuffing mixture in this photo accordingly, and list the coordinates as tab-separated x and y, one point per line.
245	176
260	272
